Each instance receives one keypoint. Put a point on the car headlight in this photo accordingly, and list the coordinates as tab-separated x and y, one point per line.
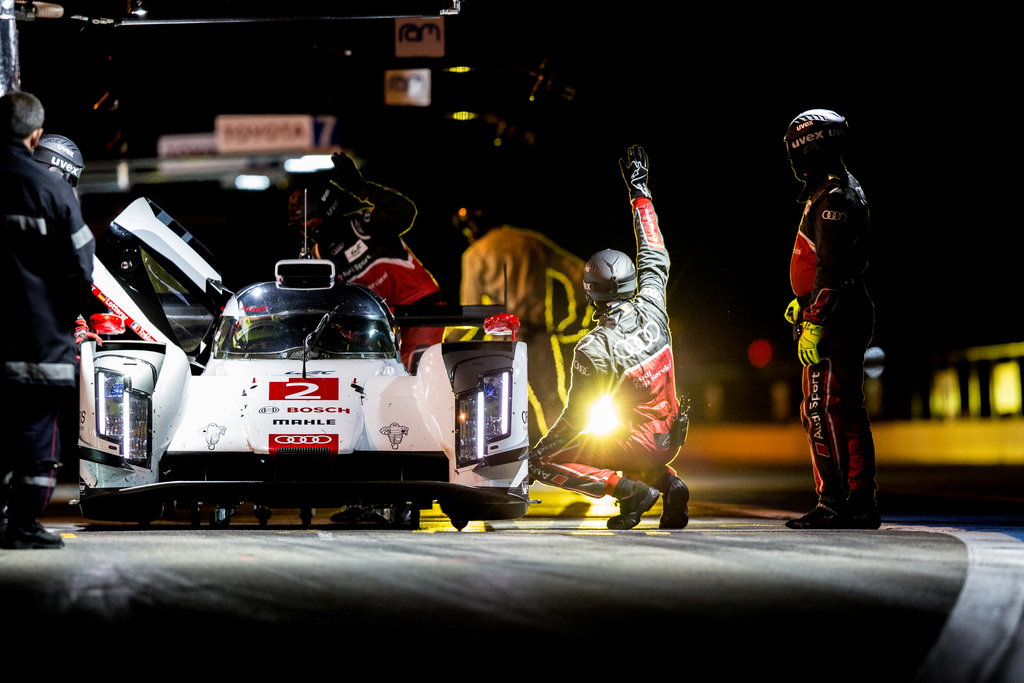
484	415
124	416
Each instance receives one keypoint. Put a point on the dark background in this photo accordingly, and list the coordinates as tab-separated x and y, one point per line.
709	93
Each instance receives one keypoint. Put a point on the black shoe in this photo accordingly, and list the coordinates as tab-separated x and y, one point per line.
821	517
633	506
675	506
866	519
31	535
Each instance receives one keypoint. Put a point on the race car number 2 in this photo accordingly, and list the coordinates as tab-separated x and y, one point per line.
309	389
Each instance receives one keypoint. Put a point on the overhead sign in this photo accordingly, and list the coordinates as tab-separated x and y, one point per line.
240	134
186	145
419	37
407	87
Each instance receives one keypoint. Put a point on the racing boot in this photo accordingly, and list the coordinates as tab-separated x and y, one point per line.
27	535
863	513
634	505
675	505
826	515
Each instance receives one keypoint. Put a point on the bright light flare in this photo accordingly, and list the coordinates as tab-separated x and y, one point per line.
604	417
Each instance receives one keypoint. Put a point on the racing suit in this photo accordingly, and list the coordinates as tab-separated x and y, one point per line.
46	271
365	243
545	289
826	272
627	357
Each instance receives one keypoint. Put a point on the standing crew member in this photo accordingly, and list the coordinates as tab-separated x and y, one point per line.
622	413
46	274
359	226
833	319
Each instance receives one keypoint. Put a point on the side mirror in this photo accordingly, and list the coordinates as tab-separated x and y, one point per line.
106	323
502	324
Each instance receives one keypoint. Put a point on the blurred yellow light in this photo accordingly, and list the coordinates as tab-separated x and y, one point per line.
945	395
1005	388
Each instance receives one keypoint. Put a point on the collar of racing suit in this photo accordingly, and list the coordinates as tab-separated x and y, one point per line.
610	316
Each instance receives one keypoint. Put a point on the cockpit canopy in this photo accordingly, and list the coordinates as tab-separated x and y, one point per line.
267	321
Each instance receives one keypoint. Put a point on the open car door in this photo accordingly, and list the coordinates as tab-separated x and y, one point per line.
156	276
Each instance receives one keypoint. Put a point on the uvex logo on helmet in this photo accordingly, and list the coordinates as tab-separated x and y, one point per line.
817	135
66	166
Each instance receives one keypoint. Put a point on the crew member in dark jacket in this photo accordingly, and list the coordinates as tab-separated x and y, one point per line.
46	274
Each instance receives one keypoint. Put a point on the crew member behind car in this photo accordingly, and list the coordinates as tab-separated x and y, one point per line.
358	225
623	381
540	282
46	273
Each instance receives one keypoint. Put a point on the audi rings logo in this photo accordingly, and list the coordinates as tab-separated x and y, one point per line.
302	439
303	443
833	215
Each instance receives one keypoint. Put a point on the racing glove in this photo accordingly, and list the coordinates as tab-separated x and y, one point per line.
347	175
793	312
793	316
807	345
634	172
83	333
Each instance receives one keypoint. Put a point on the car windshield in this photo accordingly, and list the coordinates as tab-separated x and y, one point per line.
270	322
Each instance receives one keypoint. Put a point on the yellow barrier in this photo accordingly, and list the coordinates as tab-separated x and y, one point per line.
954	442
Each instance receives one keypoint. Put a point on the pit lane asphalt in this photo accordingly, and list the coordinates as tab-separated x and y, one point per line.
937	594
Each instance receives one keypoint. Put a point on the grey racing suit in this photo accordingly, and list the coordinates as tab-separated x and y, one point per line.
627	358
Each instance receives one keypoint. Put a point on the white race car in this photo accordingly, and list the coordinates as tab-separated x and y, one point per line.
292	396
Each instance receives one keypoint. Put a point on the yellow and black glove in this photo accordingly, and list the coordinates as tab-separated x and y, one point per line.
807	345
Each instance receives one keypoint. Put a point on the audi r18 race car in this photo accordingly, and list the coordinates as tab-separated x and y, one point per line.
288	394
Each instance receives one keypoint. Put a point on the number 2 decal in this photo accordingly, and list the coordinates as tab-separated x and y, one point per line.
309	389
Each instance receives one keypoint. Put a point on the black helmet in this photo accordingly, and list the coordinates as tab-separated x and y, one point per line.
62	156
609	275
313	204
815	137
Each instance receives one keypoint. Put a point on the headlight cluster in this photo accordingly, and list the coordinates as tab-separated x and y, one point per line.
124	415
484	415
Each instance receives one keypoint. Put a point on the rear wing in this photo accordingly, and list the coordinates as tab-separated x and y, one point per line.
450	315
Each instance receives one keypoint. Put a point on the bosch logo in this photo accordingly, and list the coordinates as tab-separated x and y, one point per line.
269	409
302	439
833	216
318	409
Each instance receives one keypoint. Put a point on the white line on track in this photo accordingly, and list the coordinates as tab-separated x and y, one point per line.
988	613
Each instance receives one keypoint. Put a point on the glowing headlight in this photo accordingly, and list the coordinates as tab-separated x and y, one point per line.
484	415
123	415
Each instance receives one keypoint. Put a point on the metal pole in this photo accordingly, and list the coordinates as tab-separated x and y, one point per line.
10	67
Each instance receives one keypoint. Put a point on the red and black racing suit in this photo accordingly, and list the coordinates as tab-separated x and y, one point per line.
826	272
365	243
629	358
